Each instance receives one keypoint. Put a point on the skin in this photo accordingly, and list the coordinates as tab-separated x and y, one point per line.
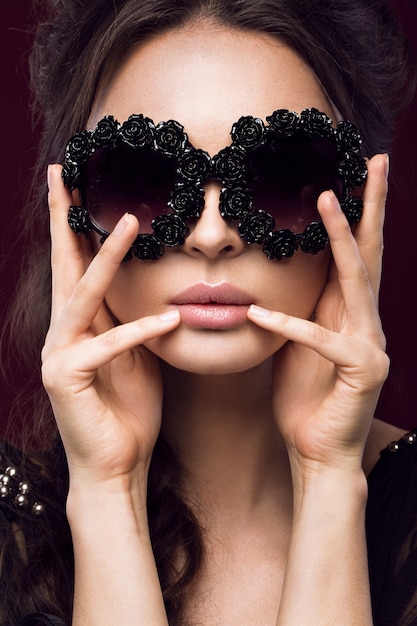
205	92
272	435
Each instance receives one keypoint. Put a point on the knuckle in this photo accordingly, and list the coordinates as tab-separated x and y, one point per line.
380	247
54	365
382	365
318	334
110	340
51	374
363	275
378	367
109	253
357	274
81	290
375	244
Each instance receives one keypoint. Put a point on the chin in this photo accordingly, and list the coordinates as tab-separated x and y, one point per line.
216	352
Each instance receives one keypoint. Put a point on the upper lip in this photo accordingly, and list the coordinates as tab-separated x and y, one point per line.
204	293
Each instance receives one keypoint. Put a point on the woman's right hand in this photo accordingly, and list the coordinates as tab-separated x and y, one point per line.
104	385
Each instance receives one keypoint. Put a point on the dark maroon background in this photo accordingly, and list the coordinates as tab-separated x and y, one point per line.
398	293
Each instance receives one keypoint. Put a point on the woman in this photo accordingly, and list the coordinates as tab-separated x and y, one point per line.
215	396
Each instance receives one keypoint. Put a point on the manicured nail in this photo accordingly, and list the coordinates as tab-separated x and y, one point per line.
48	177
386	166
258	311
335	201
121	225
169	316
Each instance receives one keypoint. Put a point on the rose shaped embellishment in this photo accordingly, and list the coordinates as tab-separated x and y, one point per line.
283	123
353	170
255	227
281	244
229	165
316	124
170	230
314	238
147	248
79	220
352	207
248	132
70	175
235	201
187	201
194	165
137	131
347	137
105	133
79	147
170	138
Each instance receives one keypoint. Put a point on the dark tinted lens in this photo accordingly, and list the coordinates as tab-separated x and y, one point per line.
122	180
288	175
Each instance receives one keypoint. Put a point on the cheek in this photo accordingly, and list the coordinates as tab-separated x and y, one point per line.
292	286
132	294
295	288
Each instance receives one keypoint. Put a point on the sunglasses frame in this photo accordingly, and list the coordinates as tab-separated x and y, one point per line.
195	167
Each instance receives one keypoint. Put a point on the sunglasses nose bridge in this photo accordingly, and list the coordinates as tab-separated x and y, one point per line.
212	190
212	235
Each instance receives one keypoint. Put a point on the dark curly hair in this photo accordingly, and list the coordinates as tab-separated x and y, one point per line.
363	61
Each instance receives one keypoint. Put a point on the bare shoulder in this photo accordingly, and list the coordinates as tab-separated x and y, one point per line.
380	435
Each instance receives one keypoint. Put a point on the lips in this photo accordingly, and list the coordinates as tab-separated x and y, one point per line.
213	306
203	293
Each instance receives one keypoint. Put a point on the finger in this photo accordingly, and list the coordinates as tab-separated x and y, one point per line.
66	253
342	350
369	231
359	298
106	347
103	321
102	349
89	293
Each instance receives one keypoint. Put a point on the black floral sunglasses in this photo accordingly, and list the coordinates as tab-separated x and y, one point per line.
271	175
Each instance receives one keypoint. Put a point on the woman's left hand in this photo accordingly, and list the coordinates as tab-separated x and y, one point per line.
328	376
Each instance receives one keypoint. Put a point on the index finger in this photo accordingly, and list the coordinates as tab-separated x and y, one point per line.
67	257
369	231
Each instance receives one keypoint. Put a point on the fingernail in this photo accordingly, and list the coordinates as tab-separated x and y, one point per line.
335	201
386	166
121	225
259	311
48	177
169	316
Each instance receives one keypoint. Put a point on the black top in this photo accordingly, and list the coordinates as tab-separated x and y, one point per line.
391	526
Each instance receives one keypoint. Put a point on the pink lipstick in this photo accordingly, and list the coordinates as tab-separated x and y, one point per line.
218	306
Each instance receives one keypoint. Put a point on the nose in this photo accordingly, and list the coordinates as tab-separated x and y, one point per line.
212	236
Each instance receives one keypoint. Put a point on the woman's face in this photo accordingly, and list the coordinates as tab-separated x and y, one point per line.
206	77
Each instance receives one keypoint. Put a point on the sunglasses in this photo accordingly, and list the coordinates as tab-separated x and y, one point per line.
271	177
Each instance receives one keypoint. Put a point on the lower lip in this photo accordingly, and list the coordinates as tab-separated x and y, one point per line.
212	315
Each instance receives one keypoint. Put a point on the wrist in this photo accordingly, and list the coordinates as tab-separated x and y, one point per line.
307	472
112	545
331	489
91	502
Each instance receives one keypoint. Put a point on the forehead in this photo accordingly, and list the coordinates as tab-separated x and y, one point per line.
206	76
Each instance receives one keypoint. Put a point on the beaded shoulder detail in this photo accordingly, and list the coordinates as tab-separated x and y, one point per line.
17	492
407	441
